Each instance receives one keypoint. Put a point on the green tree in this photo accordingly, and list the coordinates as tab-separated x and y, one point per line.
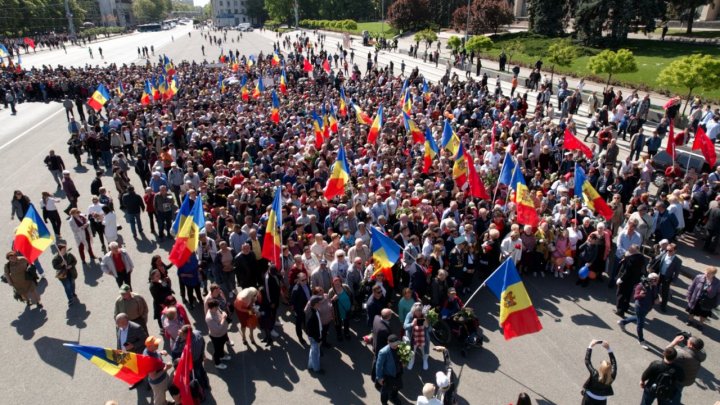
611	63
179	6
427	36
686	10
692	73
513	47
455	44
546	17
485	16
150	10
478	43
208	11
255	10
29	17
409	14
560	53
281	10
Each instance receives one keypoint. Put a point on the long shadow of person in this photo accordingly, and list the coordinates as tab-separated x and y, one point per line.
76	315
92	273
29	321
51	351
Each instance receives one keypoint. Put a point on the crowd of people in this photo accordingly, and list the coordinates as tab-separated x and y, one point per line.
222	150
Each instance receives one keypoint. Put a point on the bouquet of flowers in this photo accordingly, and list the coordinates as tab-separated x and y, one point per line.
432	317
405	353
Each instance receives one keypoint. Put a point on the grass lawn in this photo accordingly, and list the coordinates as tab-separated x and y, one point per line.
375	27
680	32
651	56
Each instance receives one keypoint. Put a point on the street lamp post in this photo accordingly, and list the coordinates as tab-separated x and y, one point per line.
71	26
467	23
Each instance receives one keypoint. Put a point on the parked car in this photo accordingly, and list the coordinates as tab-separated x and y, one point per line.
662	161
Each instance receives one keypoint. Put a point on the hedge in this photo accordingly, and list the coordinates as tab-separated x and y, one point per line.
332	25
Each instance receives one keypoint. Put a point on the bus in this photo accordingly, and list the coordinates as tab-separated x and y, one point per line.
149	27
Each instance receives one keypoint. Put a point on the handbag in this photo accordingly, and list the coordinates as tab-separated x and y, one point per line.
705	303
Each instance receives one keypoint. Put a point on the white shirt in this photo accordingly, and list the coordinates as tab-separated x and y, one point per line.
96	208
123	336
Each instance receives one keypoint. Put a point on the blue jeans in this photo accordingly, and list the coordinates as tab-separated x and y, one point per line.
639	318
39	268
134	220
69	286
314	357
649	397
106	156
678	396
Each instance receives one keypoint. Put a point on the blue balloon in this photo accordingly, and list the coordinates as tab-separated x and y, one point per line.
584	272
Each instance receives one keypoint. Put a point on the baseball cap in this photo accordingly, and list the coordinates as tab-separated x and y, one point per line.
152	341
125	288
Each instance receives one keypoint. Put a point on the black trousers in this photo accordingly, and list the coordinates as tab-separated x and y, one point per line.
664	291
219	347
299	323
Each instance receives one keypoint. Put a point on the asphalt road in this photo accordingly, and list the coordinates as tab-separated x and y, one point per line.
548	365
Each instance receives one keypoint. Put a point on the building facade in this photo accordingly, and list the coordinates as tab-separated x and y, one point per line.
115	13
229	13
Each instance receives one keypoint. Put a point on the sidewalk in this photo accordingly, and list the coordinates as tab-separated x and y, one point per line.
100	39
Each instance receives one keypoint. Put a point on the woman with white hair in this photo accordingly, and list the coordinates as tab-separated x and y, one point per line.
428	396
418	331
247	312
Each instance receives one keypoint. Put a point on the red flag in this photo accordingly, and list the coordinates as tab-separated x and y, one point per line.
307	66
477	188
183	372
29	42
326	66
703	143
671	141
572	143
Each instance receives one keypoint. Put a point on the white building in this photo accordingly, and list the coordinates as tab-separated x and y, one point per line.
115	13
228	13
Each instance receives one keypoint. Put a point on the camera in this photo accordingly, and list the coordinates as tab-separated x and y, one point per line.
686	336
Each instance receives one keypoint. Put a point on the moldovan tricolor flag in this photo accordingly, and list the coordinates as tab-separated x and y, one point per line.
412	129
459	172
283	83
32	236
450	140
317	129
99	98
431	150
343	106
147	92
272	244
275	59
275	114
703	143
385	253
376	126
339	176
187	226
125	366
590	195
507	171
526	213
259	88
570	142
517	314
426	91
362	116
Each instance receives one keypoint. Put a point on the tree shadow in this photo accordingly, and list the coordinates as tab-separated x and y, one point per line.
91	273
76	315
52	352
29	321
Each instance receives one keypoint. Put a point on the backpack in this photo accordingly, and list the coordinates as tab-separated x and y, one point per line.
9	97
664	386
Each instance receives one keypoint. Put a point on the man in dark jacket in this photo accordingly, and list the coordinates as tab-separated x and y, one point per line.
314	330
630	271
664	223
299	297
96	184
246	267
134	205
645	295
650	379
70	190
388	371
668	266
56	165
688	359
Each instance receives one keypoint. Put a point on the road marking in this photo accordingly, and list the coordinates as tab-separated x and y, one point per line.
30	129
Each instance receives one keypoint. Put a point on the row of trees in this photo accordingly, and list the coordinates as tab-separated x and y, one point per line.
147	11
29	17
598	21
482	15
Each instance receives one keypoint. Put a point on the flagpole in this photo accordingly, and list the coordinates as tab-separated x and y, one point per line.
485	282
507	197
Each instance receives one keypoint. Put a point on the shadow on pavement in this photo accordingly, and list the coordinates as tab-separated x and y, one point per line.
52	352
76	315
92	273
29	321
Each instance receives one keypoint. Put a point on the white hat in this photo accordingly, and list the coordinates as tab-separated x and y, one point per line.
66	171
442	380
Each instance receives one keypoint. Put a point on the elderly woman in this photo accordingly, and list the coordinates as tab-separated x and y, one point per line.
247	312
21	279
341	298
702	296
418	331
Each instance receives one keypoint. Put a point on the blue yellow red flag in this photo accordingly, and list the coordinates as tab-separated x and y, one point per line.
339	176
259	88
32	236
526	212
275	112
507	171
450	140
385	253
128	367
517	314
431	150
99	98
591	197
188	223
376	126
272	244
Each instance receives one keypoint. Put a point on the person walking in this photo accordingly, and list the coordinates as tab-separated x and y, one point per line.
598	386
164	204
388	371
314	331
56	166
661	379
632	267
299	297
645	296
19	205
70	190
133	305
668	266
217	324
80	227
19	277
158	378
690	355
50	212
64	263
117	263
134	206
702	297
